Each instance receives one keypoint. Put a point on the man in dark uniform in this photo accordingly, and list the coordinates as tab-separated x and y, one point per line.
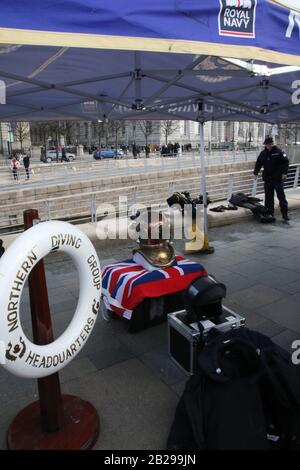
2	249
275	164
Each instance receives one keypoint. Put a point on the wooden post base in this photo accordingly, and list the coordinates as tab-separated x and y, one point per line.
80	429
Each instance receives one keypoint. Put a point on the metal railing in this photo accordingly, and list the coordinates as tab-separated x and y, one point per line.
57	173
90	206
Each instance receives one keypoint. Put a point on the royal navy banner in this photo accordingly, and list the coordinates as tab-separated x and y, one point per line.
237	18
266	30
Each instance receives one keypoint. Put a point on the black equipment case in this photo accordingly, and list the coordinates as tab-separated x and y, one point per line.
185	339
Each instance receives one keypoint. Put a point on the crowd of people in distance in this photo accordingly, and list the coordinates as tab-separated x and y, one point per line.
138	151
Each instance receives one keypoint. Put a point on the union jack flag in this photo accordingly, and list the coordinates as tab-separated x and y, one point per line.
126	284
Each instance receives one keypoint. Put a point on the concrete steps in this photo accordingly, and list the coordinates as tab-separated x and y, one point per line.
74	198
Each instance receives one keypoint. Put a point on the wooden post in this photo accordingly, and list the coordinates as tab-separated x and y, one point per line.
49	387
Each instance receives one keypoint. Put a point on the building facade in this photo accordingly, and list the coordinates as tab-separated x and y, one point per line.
13	135
217	134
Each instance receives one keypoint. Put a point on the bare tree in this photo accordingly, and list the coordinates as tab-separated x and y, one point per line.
115	127
289	133
21	132
53	130
99	129
168	128
70	132
49	129
133	130
147	128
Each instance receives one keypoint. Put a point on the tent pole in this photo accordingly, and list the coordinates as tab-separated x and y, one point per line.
200	243
206	248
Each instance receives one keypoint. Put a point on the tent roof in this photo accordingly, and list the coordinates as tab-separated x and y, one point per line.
113	75
45	83
256	28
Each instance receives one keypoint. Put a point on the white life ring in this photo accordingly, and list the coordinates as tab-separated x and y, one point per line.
22	357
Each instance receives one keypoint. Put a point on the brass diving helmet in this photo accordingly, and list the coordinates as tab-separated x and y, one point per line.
154	250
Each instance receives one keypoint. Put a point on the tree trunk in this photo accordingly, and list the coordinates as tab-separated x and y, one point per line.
116	142
106	135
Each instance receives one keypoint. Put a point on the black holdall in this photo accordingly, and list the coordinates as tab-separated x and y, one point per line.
244	395
253	204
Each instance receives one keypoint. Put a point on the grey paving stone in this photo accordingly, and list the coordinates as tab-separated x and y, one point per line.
59	295
70	282
100	339
253	319
14	388
25	312
109	356
219	273
295	298
136	410
235	282
256	296
210	261
284	312
151	339
288	262
231	258
213	264
63	305
286	339
292	288
163	366
277	277
237	305
250	268
269	328
76	369
106	261
243	249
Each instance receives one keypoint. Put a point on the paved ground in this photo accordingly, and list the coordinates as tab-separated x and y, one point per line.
129	377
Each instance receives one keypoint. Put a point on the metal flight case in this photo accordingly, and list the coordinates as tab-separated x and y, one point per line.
186	339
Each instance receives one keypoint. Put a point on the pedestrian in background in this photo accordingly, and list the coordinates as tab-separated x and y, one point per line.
14	165
26	163
63	155
134	151
275	164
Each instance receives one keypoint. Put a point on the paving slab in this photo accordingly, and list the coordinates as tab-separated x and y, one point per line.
135	408
129	377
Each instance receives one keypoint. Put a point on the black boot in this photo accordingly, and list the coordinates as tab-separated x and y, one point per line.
285	217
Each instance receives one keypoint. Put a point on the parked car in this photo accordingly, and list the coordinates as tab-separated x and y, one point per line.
107	153
50	156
